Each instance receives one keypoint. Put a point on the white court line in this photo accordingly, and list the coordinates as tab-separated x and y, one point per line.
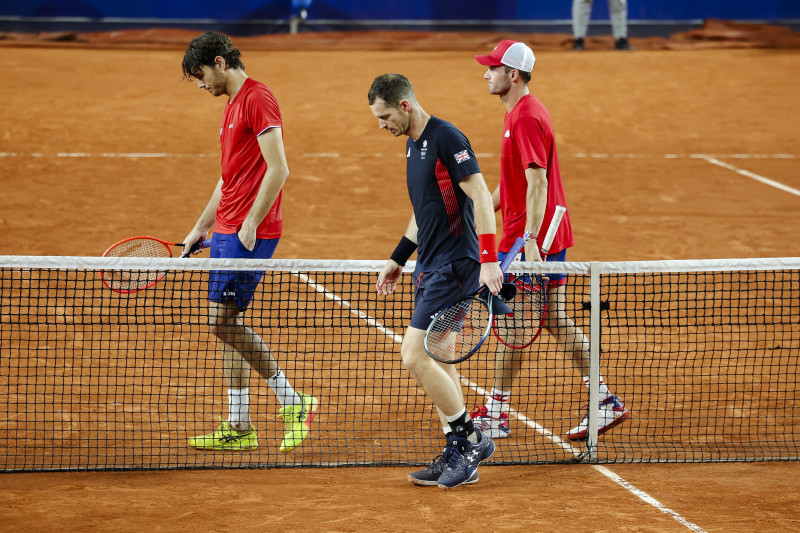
647	498
752	175
346	305
527	421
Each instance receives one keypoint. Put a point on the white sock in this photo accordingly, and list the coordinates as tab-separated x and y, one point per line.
283	389
497	403
239	409
604	392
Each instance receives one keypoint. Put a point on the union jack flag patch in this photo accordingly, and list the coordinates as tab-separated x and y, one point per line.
462	156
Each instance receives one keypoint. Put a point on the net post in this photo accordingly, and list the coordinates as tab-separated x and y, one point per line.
594	358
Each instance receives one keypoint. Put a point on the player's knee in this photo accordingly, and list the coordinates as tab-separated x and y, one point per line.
220	328
216	329
411	359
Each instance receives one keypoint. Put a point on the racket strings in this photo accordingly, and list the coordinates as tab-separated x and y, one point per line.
139	248
133	280
458	329
521	328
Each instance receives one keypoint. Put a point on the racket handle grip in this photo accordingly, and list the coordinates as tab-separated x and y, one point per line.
551	231
512	253
199	245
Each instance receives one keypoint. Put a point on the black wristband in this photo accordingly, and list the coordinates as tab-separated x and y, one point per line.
404	249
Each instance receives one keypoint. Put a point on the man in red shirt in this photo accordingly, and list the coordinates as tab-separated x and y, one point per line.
245	211
530	189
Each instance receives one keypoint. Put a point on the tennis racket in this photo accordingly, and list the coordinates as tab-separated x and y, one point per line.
128	281
458	330
529	305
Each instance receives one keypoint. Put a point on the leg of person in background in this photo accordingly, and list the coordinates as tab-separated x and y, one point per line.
618	12
492	418
572	340
581	12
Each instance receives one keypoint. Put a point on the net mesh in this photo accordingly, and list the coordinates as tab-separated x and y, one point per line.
705	357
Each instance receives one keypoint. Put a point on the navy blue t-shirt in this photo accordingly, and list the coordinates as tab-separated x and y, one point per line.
436	163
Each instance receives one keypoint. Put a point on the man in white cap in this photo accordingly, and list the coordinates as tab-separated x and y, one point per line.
530	189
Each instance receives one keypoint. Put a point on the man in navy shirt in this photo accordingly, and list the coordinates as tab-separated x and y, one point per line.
452	228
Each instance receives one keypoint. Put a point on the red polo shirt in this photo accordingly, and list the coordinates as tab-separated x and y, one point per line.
252	112
528	140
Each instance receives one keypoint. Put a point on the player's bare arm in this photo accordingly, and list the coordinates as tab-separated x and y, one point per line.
390	275
475	187
536	204
271	143
496	199
206	220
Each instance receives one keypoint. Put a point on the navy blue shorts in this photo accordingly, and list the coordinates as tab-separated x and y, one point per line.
236	286
439	288
555	279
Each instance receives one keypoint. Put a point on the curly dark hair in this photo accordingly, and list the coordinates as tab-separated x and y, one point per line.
391	88
202	51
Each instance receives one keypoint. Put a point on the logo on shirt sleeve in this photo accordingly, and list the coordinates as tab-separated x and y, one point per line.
462	156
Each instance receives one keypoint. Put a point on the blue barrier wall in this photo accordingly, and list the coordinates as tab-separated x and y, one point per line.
250	17
398	10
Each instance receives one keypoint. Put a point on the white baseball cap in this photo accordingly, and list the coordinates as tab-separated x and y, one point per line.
514	54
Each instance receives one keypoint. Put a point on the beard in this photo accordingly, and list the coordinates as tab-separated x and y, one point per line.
500	87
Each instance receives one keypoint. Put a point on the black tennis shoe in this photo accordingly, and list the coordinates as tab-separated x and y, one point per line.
462	467
622	44
430	475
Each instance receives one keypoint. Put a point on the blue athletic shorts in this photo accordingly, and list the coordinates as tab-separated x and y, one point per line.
236	286
555	279
439	288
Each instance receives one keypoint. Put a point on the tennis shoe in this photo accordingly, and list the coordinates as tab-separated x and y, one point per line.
297	421
612	413
623	44
496	428
226	438
462	466
430	475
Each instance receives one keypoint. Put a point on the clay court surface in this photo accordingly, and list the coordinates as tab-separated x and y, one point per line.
660	151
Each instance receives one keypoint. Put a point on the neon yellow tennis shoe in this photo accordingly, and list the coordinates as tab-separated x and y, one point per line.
226	438
297	421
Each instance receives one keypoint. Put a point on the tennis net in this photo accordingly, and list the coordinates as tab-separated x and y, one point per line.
704	354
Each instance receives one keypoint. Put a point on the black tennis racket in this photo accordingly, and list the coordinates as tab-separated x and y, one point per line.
458	330
529	304
128	281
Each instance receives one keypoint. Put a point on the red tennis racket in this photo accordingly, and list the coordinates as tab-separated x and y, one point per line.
529	303
529	307
128	281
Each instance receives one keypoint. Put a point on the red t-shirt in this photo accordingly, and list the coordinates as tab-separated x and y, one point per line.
253	111
528	140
